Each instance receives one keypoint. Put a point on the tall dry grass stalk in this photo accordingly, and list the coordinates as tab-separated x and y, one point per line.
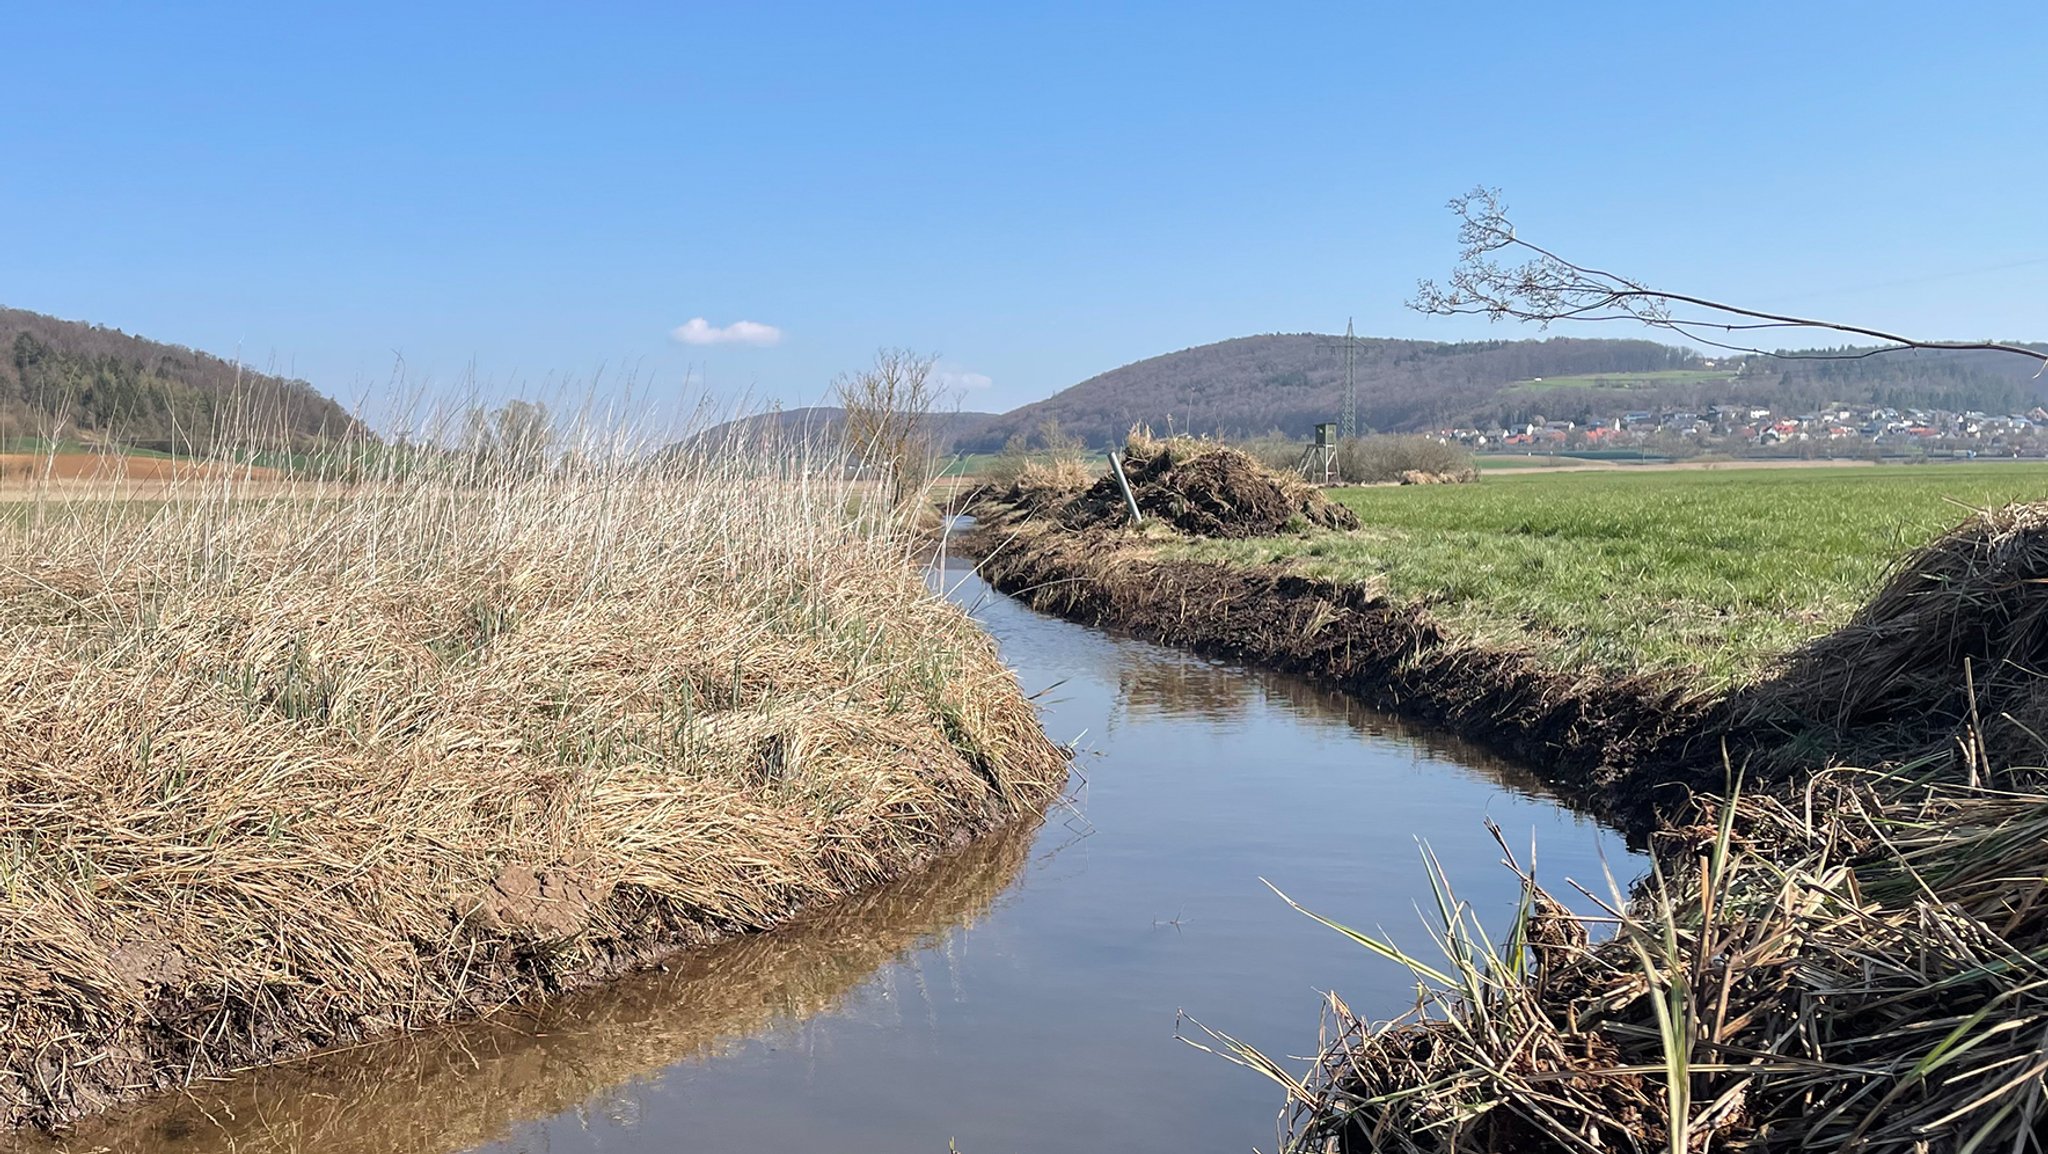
391	736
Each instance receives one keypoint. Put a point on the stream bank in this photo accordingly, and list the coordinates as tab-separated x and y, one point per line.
1587	734
1023	994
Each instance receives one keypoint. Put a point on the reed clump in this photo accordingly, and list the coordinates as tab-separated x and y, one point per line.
1945	660
409	735
1860	967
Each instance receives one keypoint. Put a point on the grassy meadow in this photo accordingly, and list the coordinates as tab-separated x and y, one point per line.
1714	571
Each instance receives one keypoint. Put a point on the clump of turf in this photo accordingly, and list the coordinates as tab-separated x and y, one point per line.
1204	489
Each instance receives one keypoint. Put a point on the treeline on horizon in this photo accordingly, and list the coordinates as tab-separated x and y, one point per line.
1287	383
68	382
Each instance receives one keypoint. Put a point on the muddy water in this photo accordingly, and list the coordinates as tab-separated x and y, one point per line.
1022	995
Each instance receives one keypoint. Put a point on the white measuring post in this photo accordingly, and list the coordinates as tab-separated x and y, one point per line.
1116	465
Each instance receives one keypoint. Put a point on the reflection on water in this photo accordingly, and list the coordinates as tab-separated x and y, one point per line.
1185	687
1013	998
457	1088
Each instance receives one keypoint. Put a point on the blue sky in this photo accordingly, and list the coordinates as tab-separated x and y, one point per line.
1037	192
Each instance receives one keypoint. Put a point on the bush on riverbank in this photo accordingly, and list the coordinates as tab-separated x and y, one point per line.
291	764
1946	659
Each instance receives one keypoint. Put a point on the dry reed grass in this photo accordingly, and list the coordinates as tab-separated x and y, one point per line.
1864	967
1947	659
434	732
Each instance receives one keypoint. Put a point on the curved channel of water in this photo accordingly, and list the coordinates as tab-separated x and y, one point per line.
1020	996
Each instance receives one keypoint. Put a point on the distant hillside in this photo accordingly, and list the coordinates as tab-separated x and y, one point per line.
1907	378
822	422
67	380
1291	381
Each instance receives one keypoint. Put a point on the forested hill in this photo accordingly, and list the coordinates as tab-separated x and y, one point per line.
1291	381
71	381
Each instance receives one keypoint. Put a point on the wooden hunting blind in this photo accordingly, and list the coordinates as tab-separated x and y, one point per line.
1319	459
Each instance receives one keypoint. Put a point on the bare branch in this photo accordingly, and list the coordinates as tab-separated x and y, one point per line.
1547	288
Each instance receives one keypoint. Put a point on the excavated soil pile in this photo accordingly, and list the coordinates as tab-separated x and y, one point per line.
1949	659
1204	490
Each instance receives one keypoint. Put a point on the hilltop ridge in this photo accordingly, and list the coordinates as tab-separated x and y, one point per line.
1288	382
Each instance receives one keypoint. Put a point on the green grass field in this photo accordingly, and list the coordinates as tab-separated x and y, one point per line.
1714	571
1546	460
1625	380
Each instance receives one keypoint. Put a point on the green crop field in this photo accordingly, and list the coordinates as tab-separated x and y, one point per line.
1714	571
1626	380
1550	460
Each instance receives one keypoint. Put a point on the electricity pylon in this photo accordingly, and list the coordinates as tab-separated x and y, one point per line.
1348	427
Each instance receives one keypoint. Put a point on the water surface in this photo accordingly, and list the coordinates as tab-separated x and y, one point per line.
1023	995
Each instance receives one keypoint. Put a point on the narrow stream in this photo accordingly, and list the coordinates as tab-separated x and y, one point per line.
1020	996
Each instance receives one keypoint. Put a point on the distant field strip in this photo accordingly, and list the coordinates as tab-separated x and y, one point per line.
1715	571
1627	380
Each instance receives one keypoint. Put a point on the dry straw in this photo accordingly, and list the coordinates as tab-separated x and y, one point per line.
318	748
1861	968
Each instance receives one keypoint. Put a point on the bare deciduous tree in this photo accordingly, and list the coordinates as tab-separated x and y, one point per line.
1545	288
889	417
518	436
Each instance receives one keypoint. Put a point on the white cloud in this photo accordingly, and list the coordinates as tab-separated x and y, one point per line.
950	379
698	331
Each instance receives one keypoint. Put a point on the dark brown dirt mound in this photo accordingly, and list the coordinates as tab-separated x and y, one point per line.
1205	490
1950	659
